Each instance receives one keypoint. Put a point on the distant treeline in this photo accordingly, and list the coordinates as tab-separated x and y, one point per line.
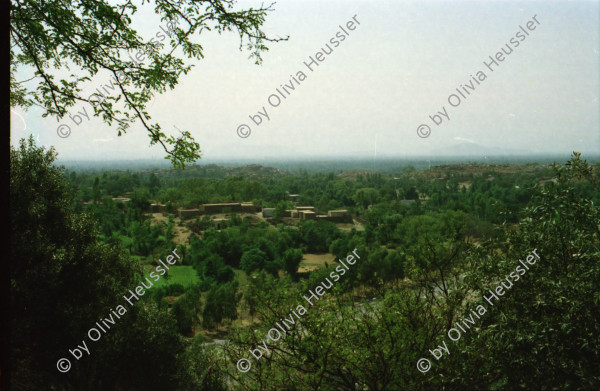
336	165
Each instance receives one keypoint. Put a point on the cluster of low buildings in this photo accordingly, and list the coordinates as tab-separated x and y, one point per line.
225	207
309	213
299	212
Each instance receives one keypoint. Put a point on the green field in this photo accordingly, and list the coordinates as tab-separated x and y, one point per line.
184	275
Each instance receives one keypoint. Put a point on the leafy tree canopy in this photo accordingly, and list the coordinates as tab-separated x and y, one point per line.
85	38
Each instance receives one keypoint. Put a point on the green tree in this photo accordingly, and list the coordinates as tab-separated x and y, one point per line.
253	259
366	196
280	209
392	266
411	193
197	371
140	199
221	304
291	260
379	349
63	280
542	332
96	190
183	315
91	35
153	183
317	235
273	266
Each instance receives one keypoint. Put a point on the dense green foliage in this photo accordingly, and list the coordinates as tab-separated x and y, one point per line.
431	243
63	278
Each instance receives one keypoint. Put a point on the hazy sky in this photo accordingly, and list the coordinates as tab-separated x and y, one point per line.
367	98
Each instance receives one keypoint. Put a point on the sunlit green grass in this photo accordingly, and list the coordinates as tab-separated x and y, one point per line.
184	275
